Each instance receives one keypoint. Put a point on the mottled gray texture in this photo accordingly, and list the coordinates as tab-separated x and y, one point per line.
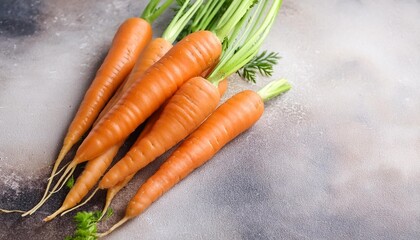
335	158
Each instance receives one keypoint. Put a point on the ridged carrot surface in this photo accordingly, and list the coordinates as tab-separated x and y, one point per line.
96	168
131	38
154	51
187	59
112	191
232	118
186	110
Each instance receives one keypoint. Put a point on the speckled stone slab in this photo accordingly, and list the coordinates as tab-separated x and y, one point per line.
338	157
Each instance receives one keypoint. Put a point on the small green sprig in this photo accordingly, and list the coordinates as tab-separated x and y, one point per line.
262	63
70	182
86	225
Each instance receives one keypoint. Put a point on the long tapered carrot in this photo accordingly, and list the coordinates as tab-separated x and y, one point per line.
153	52
86	180
128	42
230	119
173	34
187	59
153	145
191	56
130	39
112	191
190	105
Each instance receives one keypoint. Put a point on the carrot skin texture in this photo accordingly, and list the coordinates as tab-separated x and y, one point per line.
189	58
92	173
186	110
111	192
223	86
96	168
131	38
85	182
232	118
154	51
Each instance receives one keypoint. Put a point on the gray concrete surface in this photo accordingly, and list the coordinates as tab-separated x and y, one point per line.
335	158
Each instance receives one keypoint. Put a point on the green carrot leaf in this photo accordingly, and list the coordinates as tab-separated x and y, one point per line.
86	225
109	212
70	182
262	63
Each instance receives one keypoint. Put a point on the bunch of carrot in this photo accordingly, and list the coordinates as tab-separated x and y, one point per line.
176	88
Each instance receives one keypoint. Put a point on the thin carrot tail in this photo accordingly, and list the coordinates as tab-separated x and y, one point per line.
60	183
11	211
59	171
63	152
81	204
55	214
112	192
57	189
118	224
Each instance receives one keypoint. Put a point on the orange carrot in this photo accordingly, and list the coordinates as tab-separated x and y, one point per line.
84	183
232	118
190	57
150	55
190	105
150	148
112	192
153	52
156	49
223	86
130	39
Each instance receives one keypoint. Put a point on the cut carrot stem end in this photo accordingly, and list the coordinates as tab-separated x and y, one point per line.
274	89
118	224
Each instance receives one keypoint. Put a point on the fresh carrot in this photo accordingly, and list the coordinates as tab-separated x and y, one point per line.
190	105
187	59
112	191
191	56
131	38
232	118
189	111
86	180
154	51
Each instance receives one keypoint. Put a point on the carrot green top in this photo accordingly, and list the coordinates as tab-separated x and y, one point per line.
243	44
208	14
153	10
180	20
